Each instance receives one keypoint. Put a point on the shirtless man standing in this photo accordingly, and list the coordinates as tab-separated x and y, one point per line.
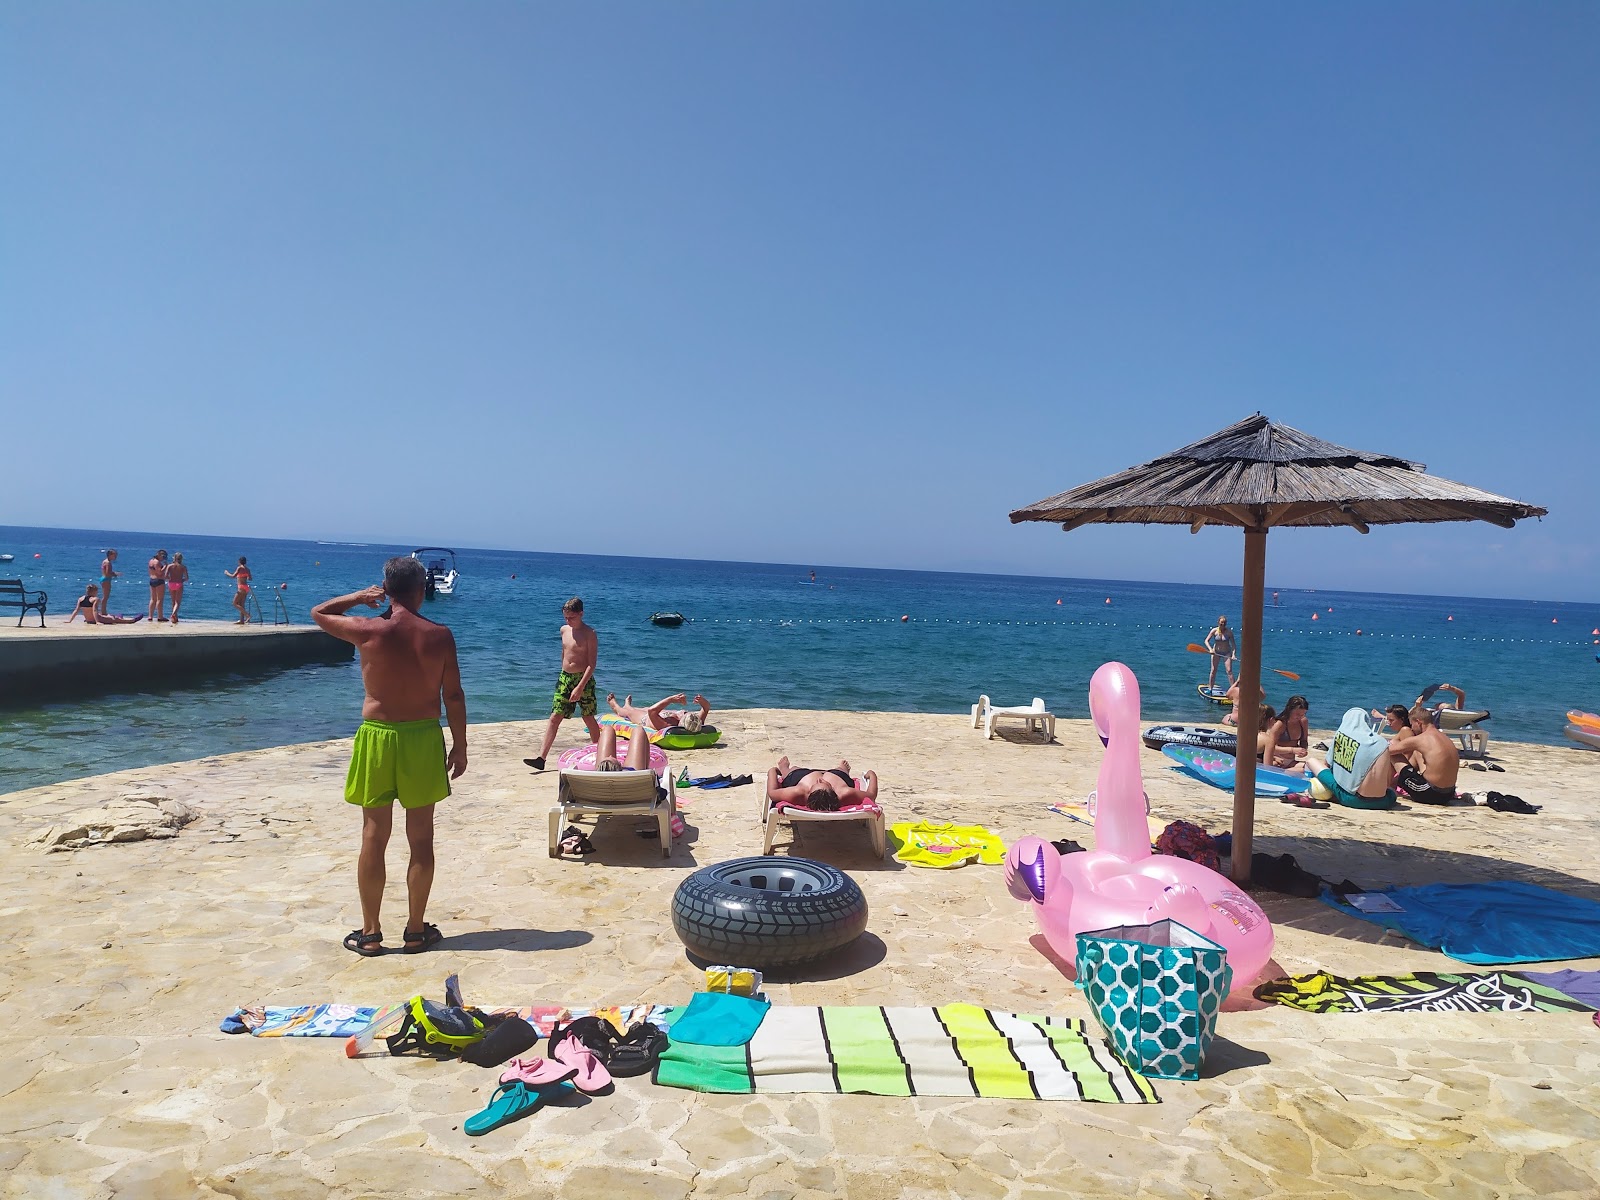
825	791
1220	642
580	649
407	665
1435	763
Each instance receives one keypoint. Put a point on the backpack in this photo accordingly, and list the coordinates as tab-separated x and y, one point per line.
438	1029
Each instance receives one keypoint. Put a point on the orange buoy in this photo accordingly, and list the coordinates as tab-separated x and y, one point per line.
1449	618
1330	608
1108	599
1552	620
1314	616
1358	633
1058	602
905	618
41	556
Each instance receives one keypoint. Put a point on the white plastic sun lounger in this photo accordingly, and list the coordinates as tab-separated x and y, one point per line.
603	792
772	815
1035	716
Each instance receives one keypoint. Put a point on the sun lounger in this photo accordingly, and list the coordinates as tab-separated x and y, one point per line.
772	814
1035	716
603	792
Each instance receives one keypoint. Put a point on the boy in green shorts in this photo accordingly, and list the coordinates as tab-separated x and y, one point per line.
408	665
580	649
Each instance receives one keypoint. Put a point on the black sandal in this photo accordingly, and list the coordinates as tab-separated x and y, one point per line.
358	942
425	939
636	1051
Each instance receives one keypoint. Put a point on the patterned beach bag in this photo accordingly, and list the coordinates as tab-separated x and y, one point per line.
1156	990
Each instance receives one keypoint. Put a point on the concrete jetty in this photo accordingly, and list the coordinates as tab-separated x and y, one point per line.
61	660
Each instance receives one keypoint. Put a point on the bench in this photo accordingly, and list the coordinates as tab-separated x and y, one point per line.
14	595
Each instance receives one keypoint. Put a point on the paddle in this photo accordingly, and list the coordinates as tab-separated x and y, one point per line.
1198	649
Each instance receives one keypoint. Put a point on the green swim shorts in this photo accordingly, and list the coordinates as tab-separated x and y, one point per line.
1350	799
563	703
403	762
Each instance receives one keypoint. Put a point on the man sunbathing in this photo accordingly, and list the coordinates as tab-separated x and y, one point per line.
822	791
658	716
1429	777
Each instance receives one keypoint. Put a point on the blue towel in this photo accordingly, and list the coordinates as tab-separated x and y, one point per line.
717	1019
1501	922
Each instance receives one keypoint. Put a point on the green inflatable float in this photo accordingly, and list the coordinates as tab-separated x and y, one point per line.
678	738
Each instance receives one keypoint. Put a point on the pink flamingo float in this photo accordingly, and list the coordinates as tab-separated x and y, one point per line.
1120	882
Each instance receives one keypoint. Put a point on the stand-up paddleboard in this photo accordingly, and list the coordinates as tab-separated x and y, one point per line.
1217	769
1203	736
1217	695
1586	737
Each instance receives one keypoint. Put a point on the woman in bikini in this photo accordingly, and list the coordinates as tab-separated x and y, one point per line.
1294	736
177	576
1220	642
157	568
86	608
241	574
108	572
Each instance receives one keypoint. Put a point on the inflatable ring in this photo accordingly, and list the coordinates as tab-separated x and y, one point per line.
681	739
581	758
768	912
626	727
1204	736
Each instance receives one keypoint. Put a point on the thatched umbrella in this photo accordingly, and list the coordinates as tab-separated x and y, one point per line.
1257	475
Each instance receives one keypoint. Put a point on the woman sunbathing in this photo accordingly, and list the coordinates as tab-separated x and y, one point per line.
822	791
86	606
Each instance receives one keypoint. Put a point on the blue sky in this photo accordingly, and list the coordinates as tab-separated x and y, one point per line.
838	283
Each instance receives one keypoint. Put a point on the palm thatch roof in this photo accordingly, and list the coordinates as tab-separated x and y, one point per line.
1257	474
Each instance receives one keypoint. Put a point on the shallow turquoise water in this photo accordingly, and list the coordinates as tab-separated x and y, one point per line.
761	635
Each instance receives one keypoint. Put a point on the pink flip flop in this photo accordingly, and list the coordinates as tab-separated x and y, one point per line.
588	1073
538	1072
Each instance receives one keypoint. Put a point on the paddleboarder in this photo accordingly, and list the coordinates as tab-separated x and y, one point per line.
1219	643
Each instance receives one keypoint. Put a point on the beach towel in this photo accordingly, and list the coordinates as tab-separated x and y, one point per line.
952	1050
346	1020
1424	991
940	844
1506	921
718	1019
1582	986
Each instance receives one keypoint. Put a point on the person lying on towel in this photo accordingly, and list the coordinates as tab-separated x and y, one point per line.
1429	761
820	791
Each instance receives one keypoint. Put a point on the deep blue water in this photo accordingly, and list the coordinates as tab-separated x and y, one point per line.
761	635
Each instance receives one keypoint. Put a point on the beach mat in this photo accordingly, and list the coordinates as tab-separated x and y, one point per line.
952	1050
346	1020
1424	991
1506	921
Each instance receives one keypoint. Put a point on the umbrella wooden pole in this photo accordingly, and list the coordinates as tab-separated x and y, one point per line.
1248	707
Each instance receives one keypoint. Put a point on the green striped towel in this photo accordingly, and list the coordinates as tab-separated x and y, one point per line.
952	1050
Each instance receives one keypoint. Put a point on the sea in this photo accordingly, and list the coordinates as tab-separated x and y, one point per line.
766	635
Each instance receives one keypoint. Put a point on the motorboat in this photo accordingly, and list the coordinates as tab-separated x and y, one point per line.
8	557
440	564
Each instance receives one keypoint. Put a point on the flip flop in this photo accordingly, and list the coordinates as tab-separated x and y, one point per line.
510	1102
589	1074
358	942
537	1072
425	938
637	1051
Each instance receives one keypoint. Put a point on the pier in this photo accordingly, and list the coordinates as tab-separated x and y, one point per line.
61	661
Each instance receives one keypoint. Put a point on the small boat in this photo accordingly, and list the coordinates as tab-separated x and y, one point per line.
440	563
7	557
667	620
1205	737
1217	695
